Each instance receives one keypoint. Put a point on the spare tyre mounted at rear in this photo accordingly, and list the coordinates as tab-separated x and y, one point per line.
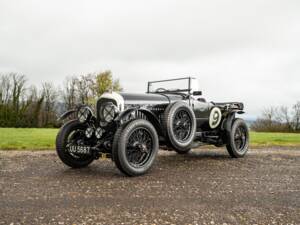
179	123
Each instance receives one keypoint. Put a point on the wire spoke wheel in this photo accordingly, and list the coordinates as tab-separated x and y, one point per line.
135	147
182	125
139	147
75	138
179	124
72	133
240	138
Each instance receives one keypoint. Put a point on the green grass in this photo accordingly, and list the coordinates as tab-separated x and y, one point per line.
44	139
275	139
27	139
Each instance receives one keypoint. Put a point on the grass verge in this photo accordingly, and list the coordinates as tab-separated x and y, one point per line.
44	139
274	139
27	138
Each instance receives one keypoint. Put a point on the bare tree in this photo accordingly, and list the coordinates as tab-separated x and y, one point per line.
69	92
85	86
283	117
50	95
21	106
5	89
18	89
2	87
279	119
296	117
269	113
34	101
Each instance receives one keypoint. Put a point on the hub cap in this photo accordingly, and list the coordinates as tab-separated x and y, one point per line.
76	137
139	147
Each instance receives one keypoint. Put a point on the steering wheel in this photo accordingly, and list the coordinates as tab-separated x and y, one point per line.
160	90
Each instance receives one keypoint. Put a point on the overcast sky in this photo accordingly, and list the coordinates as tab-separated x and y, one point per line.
239	50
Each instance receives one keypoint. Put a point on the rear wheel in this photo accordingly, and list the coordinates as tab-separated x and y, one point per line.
72	133
238	139
135	147
180	126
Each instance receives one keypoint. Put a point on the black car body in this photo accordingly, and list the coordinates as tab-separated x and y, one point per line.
130	128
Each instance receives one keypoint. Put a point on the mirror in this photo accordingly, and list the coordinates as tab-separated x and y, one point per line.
197	93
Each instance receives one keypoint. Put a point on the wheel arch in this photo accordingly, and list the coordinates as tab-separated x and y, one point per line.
231	116
150	116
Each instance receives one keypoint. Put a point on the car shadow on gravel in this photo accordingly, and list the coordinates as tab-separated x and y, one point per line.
199	155
165	162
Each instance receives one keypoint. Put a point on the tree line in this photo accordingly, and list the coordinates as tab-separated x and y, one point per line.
23	105
279	119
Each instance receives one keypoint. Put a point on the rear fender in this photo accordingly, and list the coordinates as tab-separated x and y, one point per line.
230	118
228	123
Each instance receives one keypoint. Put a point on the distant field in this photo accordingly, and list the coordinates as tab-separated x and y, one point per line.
42	139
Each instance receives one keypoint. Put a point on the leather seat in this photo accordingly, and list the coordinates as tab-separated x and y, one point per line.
201	99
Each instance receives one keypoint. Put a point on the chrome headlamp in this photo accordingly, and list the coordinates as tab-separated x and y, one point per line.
99	132
108	112
84	114
89	132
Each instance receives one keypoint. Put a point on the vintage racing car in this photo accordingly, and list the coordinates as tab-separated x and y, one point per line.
131	128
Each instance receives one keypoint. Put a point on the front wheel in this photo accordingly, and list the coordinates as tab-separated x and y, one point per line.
135	147
238	139
71	133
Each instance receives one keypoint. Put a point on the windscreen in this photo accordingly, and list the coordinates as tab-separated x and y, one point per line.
179	85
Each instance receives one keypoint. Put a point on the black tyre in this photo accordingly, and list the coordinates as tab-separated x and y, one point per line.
179	123
135	147
70	133
238	139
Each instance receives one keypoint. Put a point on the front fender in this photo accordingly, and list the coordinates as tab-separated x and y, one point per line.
66	114
125	113
151	117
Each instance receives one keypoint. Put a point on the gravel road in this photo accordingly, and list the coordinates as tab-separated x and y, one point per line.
203	187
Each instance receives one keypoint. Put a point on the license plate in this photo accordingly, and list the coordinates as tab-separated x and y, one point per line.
77	149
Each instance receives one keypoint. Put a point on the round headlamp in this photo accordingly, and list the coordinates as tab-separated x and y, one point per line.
84	114
108	112
99	132
89	132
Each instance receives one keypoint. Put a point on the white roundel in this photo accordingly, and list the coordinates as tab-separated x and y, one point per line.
215	118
